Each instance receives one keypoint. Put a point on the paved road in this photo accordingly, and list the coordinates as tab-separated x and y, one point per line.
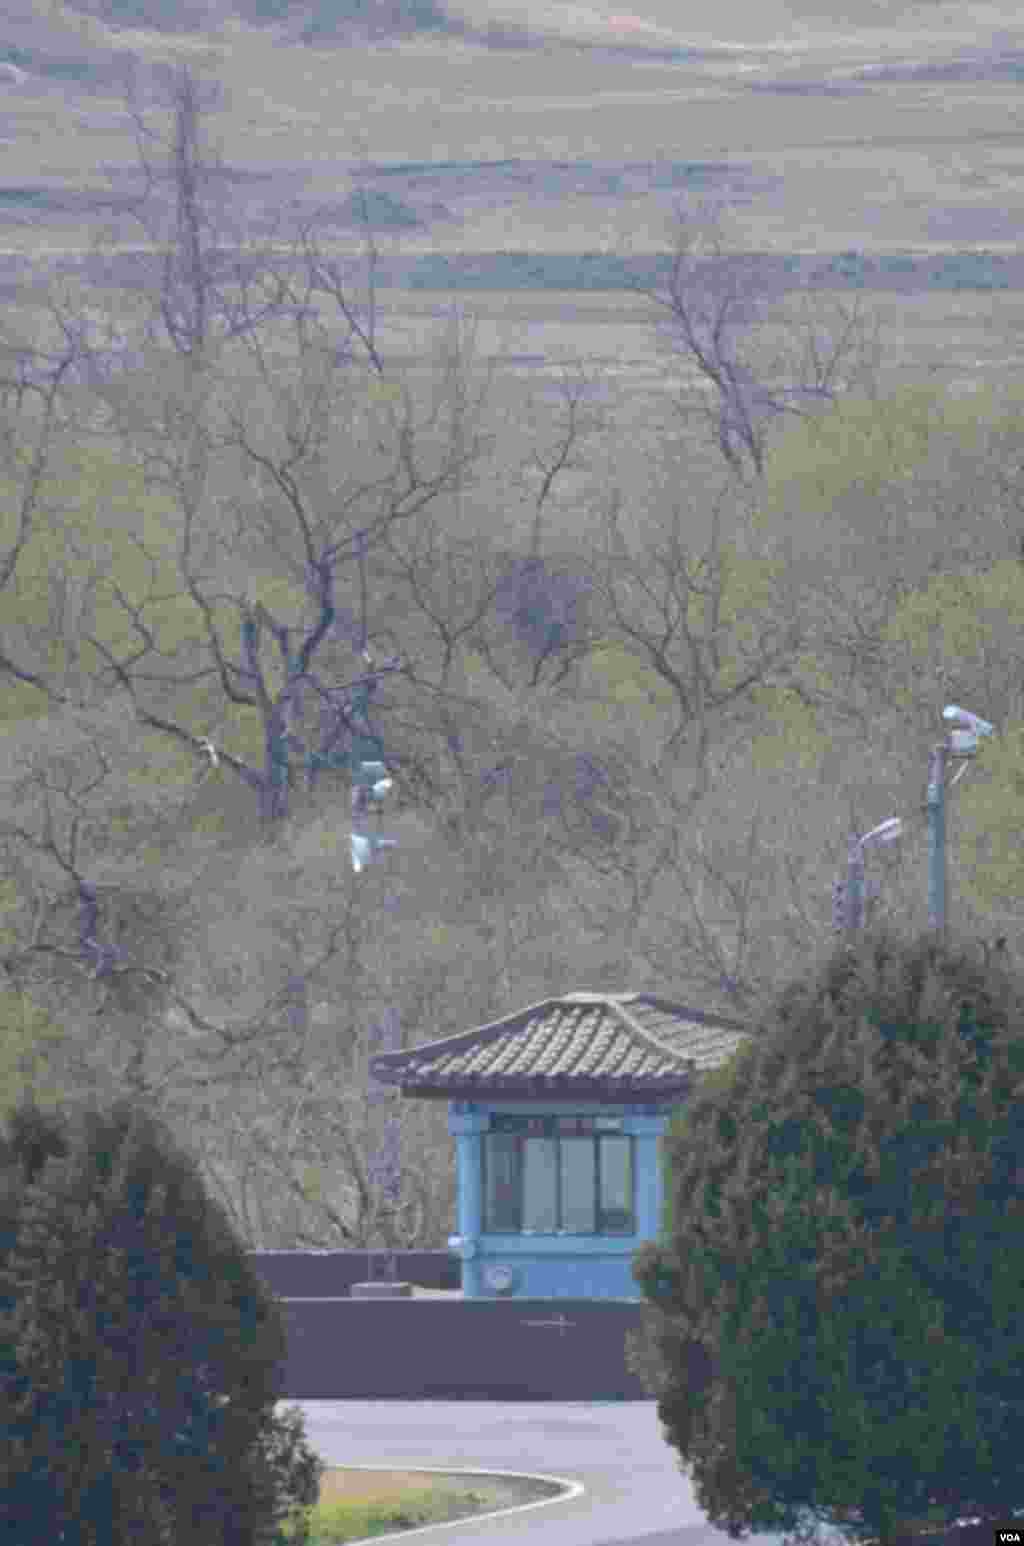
632	1489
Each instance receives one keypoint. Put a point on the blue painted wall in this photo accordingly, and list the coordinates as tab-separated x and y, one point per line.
552	1266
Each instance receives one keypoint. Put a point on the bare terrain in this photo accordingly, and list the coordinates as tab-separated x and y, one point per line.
867	128
530	169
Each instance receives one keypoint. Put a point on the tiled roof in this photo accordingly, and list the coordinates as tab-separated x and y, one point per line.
593	1045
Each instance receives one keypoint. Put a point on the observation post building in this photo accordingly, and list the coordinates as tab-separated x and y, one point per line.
557	1111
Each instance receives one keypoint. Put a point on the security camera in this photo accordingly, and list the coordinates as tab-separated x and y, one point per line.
365	849
967	721
374	781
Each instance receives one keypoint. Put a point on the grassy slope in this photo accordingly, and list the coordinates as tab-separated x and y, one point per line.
357	1504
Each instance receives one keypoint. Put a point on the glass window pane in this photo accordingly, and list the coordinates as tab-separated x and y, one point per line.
617	1186
579	1160
540	1185
502	1196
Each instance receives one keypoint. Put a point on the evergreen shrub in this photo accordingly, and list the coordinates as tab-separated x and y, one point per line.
846	1251
140	1353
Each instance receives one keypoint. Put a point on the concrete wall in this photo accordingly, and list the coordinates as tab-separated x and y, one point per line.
330	1274
460	1349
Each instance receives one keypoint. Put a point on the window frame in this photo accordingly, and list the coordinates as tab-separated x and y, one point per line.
518	1140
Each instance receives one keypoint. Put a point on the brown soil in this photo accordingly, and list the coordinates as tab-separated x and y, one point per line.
352	1485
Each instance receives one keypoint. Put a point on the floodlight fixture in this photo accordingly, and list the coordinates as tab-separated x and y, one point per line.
885	832
366	848
963	738
373	777
980	726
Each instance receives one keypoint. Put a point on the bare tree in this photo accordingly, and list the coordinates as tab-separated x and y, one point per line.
701	626
35	414
295	503
715	302
287	665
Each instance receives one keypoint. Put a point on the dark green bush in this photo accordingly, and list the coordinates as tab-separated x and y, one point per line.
139	1353
847	1250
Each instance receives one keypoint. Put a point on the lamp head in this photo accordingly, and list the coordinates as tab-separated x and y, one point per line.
967	728
885	832
371	778
365	849
369	771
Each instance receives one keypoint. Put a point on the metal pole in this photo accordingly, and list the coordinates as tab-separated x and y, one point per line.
937	840
854	883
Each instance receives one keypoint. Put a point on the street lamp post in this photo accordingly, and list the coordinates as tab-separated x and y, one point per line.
962	741
370	783
849	906
848	895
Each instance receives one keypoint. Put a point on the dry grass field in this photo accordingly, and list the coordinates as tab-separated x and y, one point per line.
789	92
825	128
338	1483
